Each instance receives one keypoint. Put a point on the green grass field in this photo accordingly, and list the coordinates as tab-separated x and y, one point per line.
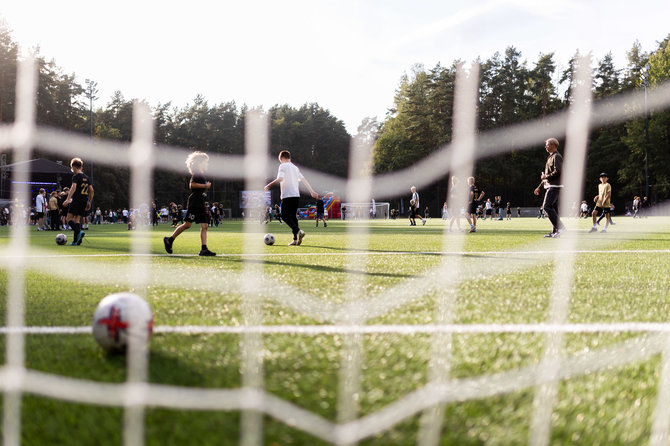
505	273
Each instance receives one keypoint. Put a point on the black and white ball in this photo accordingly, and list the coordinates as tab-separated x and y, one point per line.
61	239
269	239
120	317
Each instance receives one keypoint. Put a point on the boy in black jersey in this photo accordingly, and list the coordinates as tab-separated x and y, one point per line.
197	212
78	199
320	213
476	196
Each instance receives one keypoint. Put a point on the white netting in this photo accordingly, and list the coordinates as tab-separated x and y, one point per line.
350	317
365	211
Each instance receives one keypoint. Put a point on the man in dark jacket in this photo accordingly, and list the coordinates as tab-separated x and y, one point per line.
551	178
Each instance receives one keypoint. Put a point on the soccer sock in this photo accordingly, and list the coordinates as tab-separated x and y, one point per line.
75	228
204	247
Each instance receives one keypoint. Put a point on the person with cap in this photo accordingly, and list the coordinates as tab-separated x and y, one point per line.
550	181
602	201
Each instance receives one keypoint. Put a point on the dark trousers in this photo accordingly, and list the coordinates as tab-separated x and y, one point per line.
54	217
550	206
289	213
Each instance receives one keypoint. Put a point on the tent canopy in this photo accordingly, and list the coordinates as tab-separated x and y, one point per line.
39	165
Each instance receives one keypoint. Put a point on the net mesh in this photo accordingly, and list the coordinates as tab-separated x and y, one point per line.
349	318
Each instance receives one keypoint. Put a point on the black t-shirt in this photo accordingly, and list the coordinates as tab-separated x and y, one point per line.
319	206
475	193
197	197
81	192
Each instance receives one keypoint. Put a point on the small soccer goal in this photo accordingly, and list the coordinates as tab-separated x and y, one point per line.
364	211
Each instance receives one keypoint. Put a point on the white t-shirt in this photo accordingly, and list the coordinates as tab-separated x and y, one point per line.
290	180
40	203
415	197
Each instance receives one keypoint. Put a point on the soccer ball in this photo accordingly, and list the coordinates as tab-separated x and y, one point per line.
118	318
269	239
61	239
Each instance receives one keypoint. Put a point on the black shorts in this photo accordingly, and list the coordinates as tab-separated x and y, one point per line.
472	208
197	215
600	210
39	215
77	208
319	215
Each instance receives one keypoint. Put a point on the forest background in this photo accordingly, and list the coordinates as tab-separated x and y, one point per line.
512	91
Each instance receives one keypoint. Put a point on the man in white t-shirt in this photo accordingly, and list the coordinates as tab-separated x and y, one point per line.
289	178
40	209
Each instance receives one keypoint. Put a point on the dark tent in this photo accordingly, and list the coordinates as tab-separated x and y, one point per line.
39	166
43	174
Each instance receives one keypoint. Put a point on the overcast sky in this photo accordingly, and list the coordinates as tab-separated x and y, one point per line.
346	55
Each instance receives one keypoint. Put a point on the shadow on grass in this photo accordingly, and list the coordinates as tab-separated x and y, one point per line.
323	268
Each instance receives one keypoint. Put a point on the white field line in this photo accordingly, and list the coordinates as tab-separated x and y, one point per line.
403	329
365	253
478	387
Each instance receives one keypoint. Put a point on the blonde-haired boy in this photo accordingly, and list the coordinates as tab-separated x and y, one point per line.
197	163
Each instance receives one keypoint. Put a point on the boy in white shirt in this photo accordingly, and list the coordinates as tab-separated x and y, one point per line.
289	178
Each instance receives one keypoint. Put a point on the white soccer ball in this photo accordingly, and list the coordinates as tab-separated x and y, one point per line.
120	317
269	239
61	239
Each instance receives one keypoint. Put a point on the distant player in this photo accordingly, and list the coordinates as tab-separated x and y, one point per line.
414	208
602	201
476	196
289	179
78	200
320	213
550	182
454	190
196	211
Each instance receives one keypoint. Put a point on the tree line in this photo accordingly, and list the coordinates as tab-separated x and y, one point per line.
511	92
420	122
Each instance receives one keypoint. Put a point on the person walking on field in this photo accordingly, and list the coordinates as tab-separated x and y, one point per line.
476	195
550	182
289	179
414	208
602	201
197	212
454	190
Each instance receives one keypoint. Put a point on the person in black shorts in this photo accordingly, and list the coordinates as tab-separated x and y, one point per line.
196	211
78	200
320	213
476	196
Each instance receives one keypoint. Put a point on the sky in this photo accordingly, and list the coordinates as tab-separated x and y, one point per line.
348	56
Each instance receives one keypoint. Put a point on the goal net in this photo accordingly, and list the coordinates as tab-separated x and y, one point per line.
364	211
343	333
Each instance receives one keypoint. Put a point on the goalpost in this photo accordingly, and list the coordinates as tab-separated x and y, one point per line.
362	211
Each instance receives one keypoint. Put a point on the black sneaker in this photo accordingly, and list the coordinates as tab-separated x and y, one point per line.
207	253
168	244
551	235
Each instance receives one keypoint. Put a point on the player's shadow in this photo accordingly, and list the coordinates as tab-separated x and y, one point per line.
324	268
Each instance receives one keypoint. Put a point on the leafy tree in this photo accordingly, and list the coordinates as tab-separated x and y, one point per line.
8	57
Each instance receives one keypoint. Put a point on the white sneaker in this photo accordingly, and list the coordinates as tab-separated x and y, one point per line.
294	243
301	235
423	221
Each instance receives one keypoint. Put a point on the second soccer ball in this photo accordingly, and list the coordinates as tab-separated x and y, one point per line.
269	239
